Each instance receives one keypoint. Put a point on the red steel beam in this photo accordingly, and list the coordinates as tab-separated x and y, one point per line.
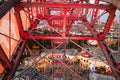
95	11
64	38
15	59
60	17
109	58
64	22
109	21
110	9
94	15
19	22
97	6
4	60
18	53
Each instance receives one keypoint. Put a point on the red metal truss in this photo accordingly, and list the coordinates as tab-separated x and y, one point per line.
71	5
109	57
4	60
69	13
64	38
15	59
45	15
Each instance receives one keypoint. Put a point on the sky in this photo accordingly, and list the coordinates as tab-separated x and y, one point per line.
117	14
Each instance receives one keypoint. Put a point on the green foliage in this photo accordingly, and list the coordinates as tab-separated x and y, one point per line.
30	43
79	42
45	43
76	61
101	69
46	32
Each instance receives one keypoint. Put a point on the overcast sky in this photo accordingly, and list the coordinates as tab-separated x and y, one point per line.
103	18
117	15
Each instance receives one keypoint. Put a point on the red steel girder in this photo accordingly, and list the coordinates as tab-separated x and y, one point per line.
23	34
26	34
4	60
64	22
95	11
15	59
109	9
109	22
64	38
54	17
97	6
109	57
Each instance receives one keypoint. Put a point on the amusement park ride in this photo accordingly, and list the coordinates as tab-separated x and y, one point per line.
62	18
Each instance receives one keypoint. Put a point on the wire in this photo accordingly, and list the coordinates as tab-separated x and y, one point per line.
9	34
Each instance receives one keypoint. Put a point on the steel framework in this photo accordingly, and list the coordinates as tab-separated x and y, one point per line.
60	18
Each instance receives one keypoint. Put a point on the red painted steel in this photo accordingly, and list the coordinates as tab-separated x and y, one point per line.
58	18
68	14
109	58
71	5
15	59
4	60
52	37
19	22
46	16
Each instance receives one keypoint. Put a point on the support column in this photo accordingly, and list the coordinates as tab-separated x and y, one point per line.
64	22
15	59
109	57
4	60
23	34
